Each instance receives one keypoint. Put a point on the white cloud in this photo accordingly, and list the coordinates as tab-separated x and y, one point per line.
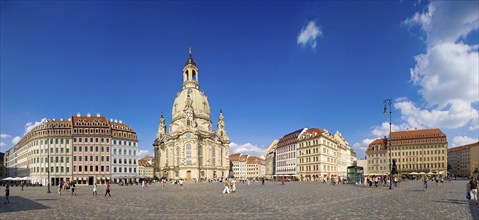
463	140
2	144
383	129
4	136
447	21
247	148
16	139
30	125
143	153
448	72
308	35
457	115
363	146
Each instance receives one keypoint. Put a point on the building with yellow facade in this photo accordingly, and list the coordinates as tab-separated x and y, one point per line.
464	159
415	151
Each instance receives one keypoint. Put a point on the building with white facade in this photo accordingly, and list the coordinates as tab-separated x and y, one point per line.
270	160
247	166
317	155
124	154
286	155
78	149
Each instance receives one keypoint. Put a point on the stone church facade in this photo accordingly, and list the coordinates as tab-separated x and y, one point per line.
190	148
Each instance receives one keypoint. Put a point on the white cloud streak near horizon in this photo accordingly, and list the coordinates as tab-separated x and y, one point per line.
143	153
247	148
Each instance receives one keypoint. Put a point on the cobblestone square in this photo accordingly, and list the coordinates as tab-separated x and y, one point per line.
294	200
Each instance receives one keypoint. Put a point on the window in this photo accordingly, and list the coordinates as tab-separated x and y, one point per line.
188	154
177	155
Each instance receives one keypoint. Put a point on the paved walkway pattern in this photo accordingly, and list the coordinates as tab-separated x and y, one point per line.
295	200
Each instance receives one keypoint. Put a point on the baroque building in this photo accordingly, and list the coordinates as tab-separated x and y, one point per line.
414	151
191	148
247	166
77	149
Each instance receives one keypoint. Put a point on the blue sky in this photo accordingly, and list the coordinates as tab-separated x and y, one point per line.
272	67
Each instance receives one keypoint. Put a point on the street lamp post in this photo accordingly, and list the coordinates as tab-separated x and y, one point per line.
386	103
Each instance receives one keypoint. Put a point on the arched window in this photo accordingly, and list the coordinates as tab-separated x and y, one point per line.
166	156
188	154
213	156
178	155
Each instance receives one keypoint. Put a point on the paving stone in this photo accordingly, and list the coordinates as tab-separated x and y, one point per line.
295	200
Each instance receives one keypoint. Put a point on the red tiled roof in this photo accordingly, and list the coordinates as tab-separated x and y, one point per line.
463	147
311	133
92	121
144	163
289	138
414	134
381	142
235	157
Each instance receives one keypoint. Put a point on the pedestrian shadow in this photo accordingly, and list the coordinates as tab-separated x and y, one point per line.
18	203
453	201
416	190
474	210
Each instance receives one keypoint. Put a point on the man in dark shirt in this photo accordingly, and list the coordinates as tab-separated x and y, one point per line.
473	184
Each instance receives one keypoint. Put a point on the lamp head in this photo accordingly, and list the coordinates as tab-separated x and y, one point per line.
385	110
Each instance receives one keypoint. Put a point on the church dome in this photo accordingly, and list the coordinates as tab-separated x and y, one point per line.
200	105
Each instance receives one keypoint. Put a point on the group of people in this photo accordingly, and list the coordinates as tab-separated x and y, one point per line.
65	186
230	186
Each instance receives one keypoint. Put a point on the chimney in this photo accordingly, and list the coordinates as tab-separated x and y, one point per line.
78	114
88	114
98	115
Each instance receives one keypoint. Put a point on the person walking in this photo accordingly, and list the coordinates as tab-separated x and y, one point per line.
73	189
233	185
107	188
262	181
23	184
7	194
425	183
396	181
60	188
95	188
473	191
282	180
181	183
227	187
